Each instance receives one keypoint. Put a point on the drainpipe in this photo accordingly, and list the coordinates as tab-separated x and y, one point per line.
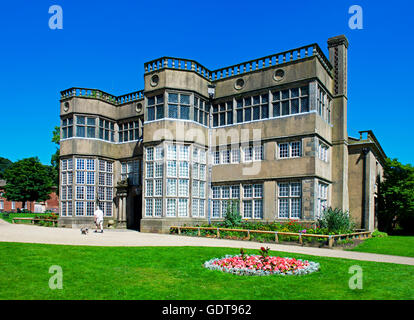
211	93
364	184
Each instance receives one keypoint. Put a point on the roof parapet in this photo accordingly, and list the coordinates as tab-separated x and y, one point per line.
102	95
368	137
241	68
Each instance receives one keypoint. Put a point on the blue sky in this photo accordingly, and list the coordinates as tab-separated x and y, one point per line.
105	44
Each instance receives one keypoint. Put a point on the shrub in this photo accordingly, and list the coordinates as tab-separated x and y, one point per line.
345	241
379	234
336	221
232	217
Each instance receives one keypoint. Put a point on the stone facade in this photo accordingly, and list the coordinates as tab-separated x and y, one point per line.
268	135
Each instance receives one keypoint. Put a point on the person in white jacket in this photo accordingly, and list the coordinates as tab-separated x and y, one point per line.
98	217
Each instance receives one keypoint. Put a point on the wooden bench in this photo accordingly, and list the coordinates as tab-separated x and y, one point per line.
32	220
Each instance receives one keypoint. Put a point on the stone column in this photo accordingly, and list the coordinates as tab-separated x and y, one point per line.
308	199
269	205
122	193
124	202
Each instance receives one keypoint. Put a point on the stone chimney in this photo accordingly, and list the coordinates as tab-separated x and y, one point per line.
338	57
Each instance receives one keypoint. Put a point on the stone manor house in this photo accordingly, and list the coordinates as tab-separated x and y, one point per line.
270	133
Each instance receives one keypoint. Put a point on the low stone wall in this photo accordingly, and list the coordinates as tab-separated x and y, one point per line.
163	225
81	222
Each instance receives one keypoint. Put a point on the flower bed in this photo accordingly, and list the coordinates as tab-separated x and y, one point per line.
261	265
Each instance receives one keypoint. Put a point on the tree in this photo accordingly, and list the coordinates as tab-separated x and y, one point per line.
27	180
4	164
396	197
54	161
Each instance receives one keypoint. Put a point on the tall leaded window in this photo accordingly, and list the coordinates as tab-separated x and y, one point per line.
83	182
223	114
173	105
225	156
235	155
295	149
129	131
323	104
184	107
177	183
247	197
252	108
252	201
183	207
67	128
290	101
105	186
179	106
106	130
171	207
201	111
154	170
85	186
66	187
216	157
289	200
258	153
184	178
223	196
155	107
85	127
322	198
323	151
198	182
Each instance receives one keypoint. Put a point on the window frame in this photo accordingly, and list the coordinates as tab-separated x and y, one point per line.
289	149
289	198
278	99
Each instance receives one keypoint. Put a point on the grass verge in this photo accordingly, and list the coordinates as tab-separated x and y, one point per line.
177	273
393	245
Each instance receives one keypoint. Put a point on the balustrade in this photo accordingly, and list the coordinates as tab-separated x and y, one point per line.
241	68
101	95
192	65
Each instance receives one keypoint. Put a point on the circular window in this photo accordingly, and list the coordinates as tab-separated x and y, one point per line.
279	74
66	106
154	80
239	84
138	107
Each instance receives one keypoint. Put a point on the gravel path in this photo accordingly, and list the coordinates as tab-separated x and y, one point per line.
117	237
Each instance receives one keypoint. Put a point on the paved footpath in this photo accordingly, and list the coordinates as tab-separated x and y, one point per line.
113	237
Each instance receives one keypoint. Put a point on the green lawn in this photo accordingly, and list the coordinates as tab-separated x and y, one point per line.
177	273
21	215
394	245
